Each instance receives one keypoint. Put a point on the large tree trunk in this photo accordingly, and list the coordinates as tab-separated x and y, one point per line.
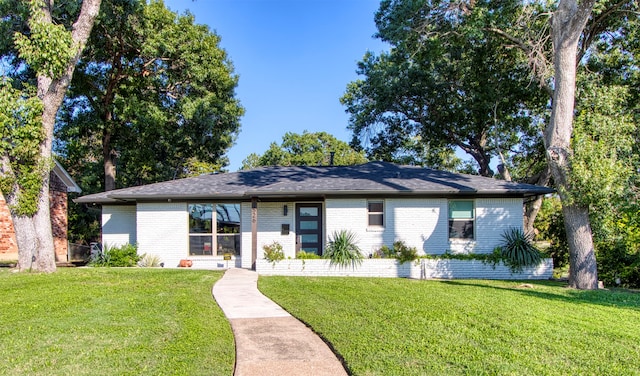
109	158
33	233
567	25
533	208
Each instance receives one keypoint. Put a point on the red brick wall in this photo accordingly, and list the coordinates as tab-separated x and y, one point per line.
8	245
58	207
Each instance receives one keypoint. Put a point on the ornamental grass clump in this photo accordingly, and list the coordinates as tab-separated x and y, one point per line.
149	261
518	251
342	250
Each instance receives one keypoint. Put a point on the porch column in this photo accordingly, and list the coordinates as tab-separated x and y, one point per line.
254	232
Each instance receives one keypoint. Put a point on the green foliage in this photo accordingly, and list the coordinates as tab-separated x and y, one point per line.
307	255
48	47
149	261
20	136
617	266
463	327
385	252
150	84
493	258
446	83
273	252
74	318
342	250
124	256
399	251
405	253
518	250
550	227
602	142
306	149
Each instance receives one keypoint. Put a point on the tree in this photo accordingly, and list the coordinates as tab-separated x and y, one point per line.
306	149
152	99
47	53
552	55
444	82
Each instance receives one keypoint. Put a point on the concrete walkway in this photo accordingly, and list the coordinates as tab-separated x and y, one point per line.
269	341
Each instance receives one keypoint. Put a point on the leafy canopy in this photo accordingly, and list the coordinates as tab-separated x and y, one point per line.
306	149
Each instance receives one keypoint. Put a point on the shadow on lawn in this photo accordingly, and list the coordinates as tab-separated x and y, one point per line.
609	298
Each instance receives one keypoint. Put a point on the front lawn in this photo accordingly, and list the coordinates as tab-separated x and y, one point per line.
112	321
412	327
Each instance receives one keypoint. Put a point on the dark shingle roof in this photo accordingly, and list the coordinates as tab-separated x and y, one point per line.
373	178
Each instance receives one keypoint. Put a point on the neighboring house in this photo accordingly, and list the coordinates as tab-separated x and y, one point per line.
204	217
60	183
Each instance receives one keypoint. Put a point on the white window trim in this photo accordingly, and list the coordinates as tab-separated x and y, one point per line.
473	219
376	228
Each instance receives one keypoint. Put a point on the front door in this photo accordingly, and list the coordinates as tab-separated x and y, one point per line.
309	228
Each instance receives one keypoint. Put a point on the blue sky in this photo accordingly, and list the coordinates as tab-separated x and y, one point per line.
294	59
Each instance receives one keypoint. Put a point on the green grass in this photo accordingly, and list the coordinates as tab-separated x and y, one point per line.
411	327
108	321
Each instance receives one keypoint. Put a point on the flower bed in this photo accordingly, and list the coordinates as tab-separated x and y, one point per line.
390	268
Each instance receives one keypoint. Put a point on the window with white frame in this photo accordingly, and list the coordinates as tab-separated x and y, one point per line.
376	213
207	240
461	219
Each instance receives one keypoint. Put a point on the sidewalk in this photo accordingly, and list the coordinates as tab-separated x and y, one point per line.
269	341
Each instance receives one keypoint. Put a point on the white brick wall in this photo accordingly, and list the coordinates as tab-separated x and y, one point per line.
352	214
118	225
163	230
389	268
420	223
493	217
270	220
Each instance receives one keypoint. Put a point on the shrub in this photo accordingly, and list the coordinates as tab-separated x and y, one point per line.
124	256
617	266
518	251
307	255
149	261
342	249
550	226
400	251
386	252
273	252
405	253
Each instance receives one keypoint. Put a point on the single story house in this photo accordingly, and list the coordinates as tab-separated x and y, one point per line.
301	207
60	184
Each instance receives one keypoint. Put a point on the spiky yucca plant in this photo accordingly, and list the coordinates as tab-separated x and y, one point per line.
518	250
342	249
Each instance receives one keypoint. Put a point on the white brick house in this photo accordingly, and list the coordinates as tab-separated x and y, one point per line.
301	207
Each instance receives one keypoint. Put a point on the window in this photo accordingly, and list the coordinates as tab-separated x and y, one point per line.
228	229
461	218
204	238
376	213
200	229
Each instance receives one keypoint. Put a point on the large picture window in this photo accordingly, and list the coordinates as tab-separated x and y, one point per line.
228	229
461	219
376	213
207	240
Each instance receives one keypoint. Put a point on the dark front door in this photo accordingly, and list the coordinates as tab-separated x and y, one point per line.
309	228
